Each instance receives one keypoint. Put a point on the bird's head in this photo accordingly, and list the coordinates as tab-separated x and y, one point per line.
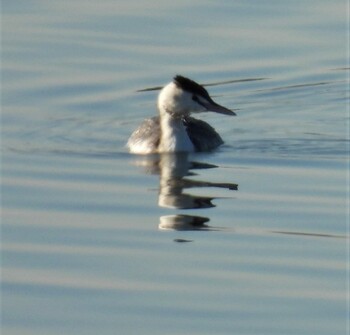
183	96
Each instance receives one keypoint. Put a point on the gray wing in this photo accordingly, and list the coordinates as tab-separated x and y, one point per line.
203	136
147	135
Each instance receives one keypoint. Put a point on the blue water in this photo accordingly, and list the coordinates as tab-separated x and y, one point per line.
250	239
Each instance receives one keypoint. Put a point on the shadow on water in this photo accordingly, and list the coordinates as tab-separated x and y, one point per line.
175	171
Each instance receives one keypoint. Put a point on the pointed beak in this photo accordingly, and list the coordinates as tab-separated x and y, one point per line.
212	106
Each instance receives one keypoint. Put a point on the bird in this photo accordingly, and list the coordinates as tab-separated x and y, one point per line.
174	130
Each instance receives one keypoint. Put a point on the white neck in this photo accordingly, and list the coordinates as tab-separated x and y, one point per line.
174	136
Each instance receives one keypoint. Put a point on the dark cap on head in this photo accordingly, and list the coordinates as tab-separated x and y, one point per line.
191	86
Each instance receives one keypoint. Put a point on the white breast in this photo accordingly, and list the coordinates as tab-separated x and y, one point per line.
174	137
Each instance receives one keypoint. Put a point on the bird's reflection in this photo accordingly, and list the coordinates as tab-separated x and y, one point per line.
173	168
174	171
183	222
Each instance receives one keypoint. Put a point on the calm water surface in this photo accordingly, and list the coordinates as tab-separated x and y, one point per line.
250	239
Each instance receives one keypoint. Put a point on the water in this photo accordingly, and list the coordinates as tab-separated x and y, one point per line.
250	239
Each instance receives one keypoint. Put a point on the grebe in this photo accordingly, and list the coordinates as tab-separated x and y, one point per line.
174	130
